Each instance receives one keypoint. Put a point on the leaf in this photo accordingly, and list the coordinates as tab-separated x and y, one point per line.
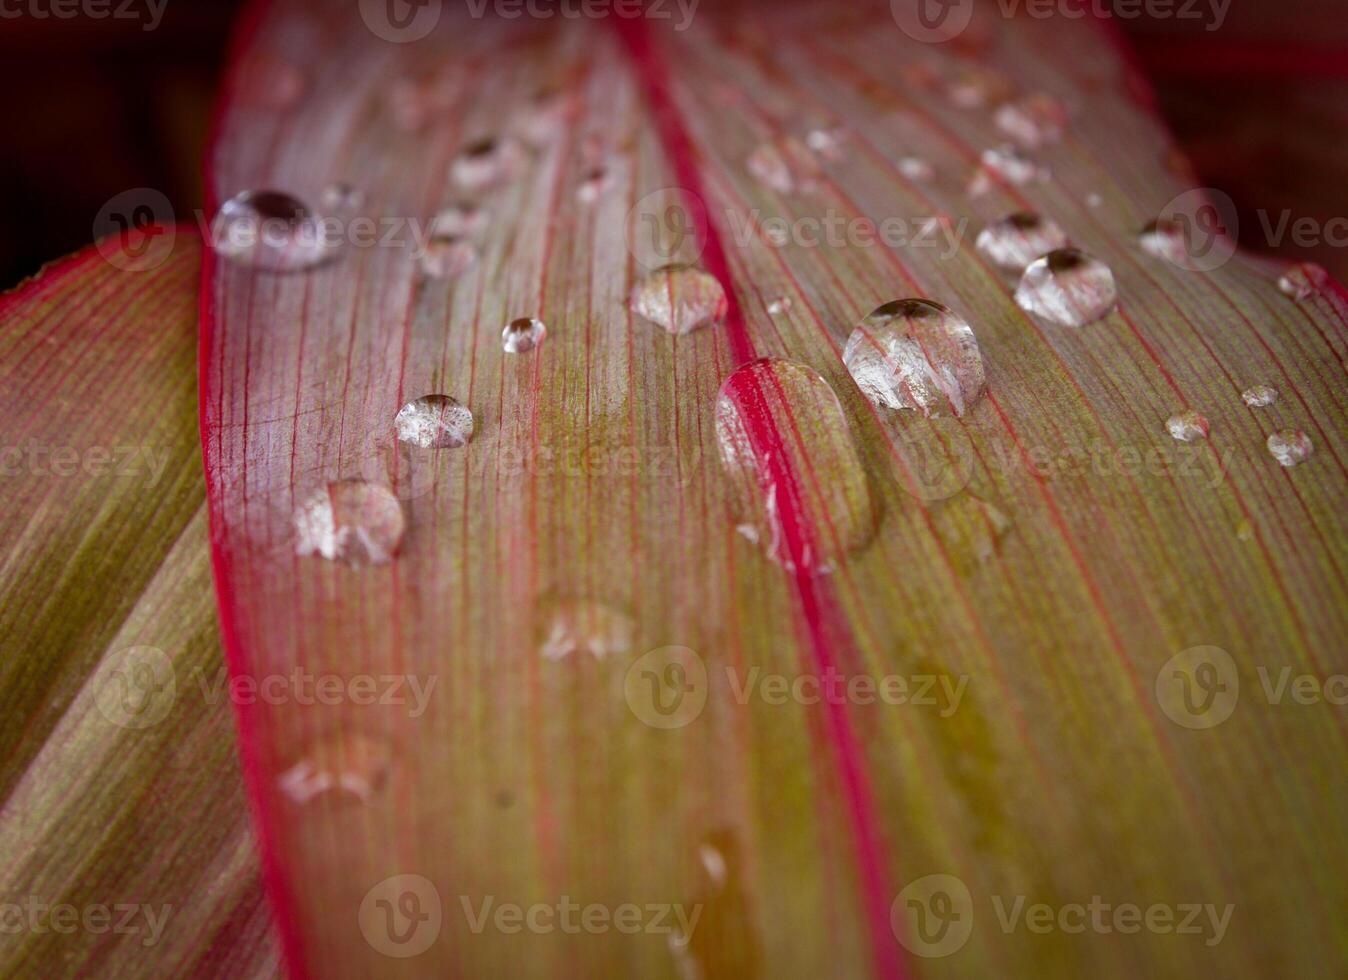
122	799
625	702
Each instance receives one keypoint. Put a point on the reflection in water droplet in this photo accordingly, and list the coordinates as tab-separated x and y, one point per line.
584	626
1187	426
270	230
523	335
1067	287
918	355
447	258
1290	446
458	221
1304	281
1032	121
487	163
351	521
353	765
679	298
1005	165
594	185
434	422
795	473
1019	239
1259	396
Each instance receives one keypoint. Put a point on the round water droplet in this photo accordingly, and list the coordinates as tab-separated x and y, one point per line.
1304	281
1032	121
523	335
915	168
1187	426
487	163
270	230
447	258
679	298
1005	165
1259	396
1067	287
350	766
594	185
458	221
918	355
434	422
1290	446
570	626
1165	239
352	521
342	198
1019	239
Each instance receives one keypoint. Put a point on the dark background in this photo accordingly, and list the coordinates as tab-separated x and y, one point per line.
93	108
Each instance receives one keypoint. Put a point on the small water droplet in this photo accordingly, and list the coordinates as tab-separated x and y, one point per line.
1187	426
1094	200
1067	287
434	422
1290	446
1304	281
778	422
1032	121
828	143
523	335
916	354
785	165
679	298
1165	239
487	163
459	221
270	230
1259	396
447	257
584	626
341	198
1244	531
352	765
915	168
779	305
1017	240
352	521
975	86
1006	165
594	185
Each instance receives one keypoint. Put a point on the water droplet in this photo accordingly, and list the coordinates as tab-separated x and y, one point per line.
679	298
584	626
785	165
1032	121
1094	200
353	765
352	521
1067	287
594	185
915	168
434	422
828	143
446	257
779	305
487	163
342	198
1005	165
780	429
1019	239
1290	446
458	221
1259	396
974	86
1304	281
1244	531
1187	426
523	335
918	355
270	230
1165	239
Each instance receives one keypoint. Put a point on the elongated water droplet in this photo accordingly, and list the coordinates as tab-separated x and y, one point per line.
1067	287
594	185
487	163
459	221
1259	396
1019	239
523	335
1032	121
796	478
572	626
352	766
434	422
352	521
1187	426
1005	165
447	258
679	298
270	230
1304	281
1290	446
918	355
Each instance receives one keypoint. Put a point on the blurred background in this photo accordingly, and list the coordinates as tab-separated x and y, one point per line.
96	107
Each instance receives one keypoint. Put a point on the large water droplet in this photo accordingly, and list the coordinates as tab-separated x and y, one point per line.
1005	165
487	163
270	230
1067	287
1304	281
523	335
570	626
1290	446
1032	121
679	298
1187	426
1019	239
351	765
434	422
918	355
1259	396
797	480
352	521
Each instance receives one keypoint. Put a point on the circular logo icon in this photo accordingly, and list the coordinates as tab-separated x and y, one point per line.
665	227
932	21
1198	687
1197	230
400	21
138	689
937	458
401	916
933	916
134	231
667	687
